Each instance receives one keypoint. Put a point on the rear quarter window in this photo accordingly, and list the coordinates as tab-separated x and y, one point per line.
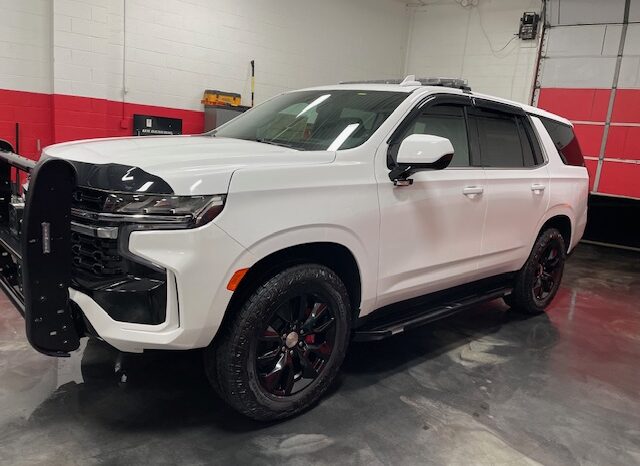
565	141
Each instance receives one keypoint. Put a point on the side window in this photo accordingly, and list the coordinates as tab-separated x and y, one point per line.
500	141
506	140
446	121
528	157
565	140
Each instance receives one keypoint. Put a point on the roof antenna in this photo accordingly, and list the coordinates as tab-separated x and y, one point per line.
410	81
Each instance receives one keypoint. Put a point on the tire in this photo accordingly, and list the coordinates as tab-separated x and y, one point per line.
303	310
537	283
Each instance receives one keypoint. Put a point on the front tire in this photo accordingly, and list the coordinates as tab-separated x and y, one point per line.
539	279
285	345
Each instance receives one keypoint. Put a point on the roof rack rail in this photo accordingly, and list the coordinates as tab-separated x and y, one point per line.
411	80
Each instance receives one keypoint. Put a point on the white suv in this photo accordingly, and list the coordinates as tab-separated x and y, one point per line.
352	211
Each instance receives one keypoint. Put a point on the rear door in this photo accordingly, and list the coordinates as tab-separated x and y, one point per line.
517	184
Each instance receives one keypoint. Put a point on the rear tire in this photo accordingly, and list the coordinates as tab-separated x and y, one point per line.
284	347
538	281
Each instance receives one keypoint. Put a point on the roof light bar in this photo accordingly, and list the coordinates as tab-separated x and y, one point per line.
410	80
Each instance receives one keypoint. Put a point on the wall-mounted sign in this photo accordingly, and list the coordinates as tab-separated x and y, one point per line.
146	125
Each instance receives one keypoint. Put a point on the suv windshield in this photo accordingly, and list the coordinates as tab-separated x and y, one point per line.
315	120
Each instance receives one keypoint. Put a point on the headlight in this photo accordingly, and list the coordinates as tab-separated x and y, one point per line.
197	210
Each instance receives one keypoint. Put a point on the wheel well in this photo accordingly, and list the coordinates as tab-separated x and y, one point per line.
563	224
332	255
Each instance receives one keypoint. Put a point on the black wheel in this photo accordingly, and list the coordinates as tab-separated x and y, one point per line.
284	346
539	279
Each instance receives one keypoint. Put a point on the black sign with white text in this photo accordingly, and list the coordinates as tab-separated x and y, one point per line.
146	125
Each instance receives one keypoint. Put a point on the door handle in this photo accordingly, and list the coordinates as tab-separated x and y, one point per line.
536	187
472	190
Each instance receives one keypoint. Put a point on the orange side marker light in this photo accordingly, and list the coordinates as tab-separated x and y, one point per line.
237	277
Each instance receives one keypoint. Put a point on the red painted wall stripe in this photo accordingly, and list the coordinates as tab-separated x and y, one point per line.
58	118
33	112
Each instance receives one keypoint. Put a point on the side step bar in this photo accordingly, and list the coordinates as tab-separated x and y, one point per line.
415	316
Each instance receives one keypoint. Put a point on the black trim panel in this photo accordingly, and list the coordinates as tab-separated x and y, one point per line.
115	177
128	287
498	106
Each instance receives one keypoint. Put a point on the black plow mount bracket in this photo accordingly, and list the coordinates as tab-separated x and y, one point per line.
38	250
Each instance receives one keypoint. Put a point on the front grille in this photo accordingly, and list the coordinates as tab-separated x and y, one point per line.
98	257
128	289
88	199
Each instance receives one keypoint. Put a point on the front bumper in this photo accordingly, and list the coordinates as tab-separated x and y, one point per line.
37	273
199	264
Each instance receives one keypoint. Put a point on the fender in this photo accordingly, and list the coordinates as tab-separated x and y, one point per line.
283	240
366	260
556	210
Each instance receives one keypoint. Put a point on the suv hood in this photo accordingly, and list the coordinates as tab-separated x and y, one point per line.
189	164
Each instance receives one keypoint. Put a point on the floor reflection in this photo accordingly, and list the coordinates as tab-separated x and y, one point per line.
559	388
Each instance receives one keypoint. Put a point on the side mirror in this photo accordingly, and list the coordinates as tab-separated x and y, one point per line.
420	152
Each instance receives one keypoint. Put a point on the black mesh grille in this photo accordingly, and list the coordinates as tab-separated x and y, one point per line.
96	256
129	290
88	199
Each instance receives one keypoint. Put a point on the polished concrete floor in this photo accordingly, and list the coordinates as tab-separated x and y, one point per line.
484	387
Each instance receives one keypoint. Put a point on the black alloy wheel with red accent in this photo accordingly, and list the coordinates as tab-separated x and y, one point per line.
548	272
284	346
296	345
537	283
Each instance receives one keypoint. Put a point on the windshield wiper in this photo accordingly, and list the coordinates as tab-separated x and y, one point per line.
272	142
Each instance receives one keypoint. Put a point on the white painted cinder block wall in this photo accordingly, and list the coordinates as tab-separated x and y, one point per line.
447	39
177	48
25	45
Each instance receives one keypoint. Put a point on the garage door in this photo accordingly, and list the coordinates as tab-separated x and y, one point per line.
589	72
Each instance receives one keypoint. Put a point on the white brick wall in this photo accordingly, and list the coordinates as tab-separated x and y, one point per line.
80	40
449	40
25	45
177	48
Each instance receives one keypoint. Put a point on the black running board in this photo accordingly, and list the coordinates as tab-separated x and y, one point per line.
419	314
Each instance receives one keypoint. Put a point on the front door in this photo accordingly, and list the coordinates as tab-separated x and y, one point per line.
431	231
